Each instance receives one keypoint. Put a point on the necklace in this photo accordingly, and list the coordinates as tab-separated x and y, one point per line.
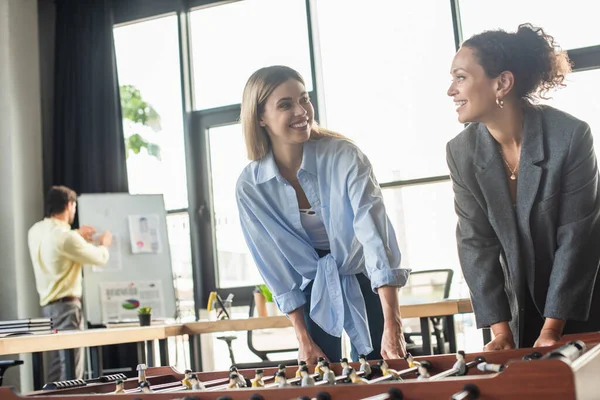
512	171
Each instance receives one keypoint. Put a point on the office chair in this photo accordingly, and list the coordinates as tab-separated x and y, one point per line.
425	287
5	364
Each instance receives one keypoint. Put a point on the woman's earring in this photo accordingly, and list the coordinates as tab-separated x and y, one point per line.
500	102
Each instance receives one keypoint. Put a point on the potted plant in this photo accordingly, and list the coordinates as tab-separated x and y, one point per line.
145	315
264	301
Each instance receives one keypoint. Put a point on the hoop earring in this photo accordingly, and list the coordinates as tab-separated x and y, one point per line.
500	102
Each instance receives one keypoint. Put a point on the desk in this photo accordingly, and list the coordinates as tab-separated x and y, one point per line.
445	309
68	340
101	337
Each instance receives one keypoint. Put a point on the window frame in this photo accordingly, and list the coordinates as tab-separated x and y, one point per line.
196	123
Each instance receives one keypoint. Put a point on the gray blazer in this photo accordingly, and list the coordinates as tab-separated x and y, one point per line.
549	243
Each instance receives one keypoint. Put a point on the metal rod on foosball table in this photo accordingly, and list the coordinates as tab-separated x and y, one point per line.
454	371
393	394
291	381
403	373
338	379
469	392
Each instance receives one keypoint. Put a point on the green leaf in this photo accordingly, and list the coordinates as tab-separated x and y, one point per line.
266	292
144	310
135	109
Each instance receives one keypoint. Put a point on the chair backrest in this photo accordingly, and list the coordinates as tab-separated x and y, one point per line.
426	286
262	347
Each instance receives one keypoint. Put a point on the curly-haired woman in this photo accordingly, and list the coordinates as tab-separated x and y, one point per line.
526	191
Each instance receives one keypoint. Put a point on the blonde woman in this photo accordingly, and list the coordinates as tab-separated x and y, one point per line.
313	216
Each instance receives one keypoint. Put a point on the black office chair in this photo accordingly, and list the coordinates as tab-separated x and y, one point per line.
425	287
6	364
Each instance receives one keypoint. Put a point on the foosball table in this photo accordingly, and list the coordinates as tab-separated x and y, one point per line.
569	370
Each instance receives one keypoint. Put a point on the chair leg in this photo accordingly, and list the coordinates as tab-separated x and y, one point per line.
231	356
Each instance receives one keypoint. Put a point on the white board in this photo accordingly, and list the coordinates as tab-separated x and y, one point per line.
127	268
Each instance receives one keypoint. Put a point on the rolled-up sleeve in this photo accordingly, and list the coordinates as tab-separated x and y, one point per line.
372	226
275	269
80	251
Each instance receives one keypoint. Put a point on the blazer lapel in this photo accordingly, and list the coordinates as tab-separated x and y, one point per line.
530	174
492	180
494	187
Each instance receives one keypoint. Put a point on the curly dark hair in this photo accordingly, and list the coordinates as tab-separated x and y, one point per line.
535	59
58	198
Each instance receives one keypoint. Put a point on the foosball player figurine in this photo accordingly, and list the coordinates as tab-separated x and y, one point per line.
196	384
241	380
460	365
410	360
345	366
365	367
300	365
386	370
328	375
186	379
120	386
258	378
354	378
490	367
307	380
281	380
281	368
234	382
145	386
424	369
318	367
141	369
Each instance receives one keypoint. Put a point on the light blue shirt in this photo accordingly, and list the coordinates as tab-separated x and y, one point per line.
338	181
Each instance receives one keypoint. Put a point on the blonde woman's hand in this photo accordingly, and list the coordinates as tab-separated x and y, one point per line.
393	344
309	351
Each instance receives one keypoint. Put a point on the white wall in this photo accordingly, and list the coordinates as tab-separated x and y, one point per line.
21	193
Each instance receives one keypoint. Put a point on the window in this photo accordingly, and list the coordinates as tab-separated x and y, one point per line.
385	88
178	228
577	99
149	78
231	41
424	220
228	159
385	76
148	69
573	24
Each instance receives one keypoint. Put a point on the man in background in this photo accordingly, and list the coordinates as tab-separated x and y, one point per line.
58	253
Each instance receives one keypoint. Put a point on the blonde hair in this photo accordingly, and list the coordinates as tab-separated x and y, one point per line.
258	89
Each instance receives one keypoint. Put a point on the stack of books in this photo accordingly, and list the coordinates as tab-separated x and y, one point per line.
29	326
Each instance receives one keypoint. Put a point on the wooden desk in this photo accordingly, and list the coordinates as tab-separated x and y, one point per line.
87	338
102	337
441	308
93	338
446	309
